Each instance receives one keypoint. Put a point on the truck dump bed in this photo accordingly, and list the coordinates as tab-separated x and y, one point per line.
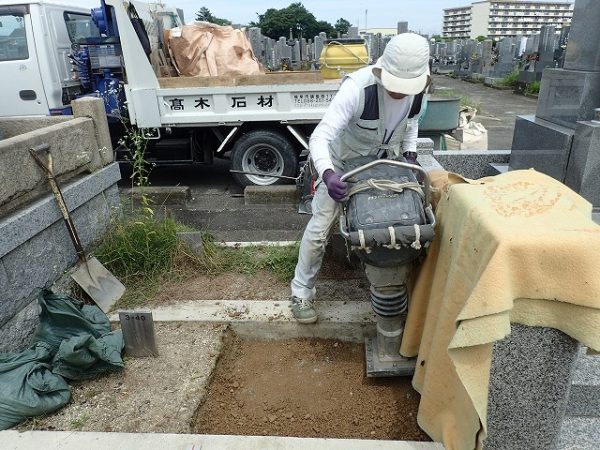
287	97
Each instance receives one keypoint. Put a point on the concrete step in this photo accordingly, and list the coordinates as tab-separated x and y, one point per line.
580	433
261	222
68	440
584	400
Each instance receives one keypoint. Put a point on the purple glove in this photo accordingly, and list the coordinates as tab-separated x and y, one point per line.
411	157
338	190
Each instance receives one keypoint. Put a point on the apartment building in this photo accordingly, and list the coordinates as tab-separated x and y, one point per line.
505	18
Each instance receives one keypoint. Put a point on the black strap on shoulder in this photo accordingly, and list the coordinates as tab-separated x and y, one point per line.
415	109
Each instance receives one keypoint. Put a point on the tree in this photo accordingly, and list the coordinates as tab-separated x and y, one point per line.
278	22
204	15
481	38
342	25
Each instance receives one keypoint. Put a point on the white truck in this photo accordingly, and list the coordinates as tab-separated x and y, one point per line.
262	123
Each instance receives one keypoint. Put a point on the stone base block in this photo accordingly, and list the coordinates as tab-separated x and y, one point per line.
583	170
472	164
585	391
541	145
530	77
530	377
568	96
580	433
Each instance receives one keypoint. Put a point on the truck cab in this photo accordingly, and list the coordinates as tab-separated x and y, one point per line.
35	41
52	52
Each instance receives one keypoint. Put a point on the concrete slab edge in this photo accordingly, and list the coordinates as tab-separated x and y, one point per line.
67	440
263	319
240	244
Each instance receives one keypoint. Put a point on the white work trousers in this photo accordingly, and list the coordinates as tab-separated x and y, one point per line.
325	212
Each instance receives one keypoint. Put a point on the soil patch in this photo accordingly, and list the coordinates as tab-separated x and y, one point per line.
151	394
261	285
305	388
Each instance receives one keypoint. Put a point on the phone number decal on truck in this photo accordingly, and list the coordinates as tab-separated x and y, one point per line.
312	100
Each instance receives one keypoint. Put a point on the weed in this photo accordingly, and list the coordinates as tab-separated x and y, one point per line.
533	88
510	80
78	423
145	253
280	261
32	423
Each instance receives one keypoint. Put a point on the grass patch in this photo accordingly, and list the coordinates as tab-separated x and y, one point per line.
533	88
79	422
280	261
510	80
145	253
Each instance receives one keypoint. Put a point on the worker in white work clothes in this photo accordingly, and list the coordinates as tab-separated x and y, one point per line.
375	112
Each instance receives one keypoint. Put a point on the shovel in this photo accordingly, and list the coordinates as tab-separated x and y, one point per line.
92	276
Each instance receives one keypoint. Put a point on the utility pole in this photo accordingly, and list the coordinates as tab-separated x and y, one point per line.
366	27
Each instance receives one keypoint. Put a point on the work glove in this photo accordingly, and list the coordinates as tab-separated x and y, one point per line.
338	190
411	157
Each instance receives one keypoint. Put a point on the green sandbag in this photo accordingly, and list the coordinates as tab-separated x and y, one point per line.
64	317
72	340
83	357
28	387
80	336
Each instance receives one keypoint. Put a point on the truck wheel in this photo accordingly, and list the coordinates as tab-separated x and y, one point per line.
265	152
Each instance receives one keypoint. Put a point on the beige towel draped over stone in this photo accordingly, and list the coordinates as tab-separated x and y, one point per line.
518	247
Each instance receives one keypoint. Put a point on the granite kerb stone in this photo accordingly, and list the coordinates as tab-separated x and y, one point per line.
42	259
32	219
470	163
584	400
530	379
73	147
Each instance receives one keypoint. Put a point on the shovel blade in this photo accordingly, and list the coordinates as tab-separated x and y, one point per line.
98	283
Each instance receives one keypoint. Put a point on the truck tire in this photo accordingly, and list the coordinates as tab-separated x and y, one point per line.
267	152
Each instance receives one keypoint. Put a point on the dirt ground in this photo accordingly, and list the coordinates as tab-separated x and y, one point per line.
293	388
305	388
151	394
259	286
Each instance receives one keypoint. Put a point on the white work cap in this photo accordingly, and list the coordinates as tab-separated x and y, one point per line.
404	66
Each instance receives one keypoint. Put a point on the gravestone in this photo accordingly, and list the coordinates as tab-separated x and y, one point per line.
256	41
295	50
486	57
546	46
268	45
505	63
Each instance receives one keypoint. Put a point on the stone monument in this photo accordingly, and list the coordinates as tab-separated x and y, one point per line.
566	106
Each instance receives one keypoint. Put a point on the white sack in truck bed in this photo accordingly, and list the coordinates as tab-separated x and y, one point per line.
206	49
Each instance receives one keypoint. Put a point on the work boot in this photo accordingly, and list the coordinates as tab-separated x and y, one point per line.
304	310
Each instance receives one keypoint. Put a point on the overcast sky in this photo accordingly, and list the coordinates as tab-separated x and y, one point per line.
424	16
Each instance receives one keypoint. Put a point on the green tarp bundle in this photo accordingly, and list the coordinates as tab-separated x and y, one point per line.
73	341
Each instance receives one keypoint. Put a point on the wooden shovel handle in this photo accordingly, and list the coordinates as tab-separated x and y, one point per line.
62	206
